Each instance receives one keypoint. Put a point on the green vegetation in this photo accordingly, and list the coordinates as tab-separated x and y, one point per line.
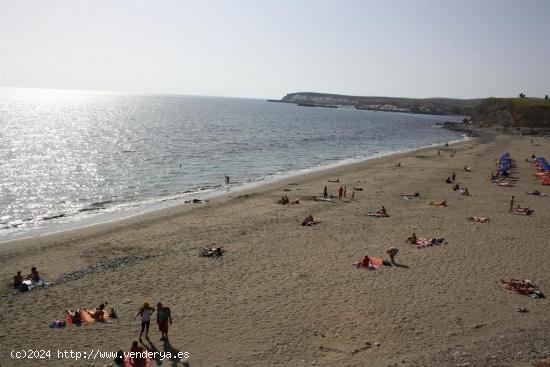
527	102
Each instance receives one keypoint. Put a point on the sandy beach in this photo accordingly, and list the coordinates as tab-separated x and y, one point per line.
287	295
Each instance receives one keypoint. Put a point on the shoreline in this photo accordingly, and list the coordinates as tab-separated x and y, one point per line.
285	294
103	218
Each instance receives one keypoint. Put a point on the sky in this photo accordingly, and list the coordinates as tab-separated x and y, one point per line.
266	49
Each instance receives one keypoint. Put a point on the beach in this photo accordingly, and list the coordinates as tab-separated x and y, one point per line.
287	295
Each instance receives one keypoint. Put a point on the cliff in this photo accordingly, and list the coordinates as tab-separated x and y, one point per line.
513	113
437	106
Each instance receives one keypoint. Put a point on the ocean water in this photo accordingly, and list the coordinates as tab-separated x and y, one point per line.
71	157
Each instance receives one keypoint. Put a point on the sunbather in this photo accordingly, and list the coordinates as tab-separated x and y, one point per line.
440	203
448	180
467	169
479	219
412	239
365	262
211	251
456	187
75	316
465	192
309	221
379	213
523	211
416	194
284	200
525	287
17	280
536	193
98	313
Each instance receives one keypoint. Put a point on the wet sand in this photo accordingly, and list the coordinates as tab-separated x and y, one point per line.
288	295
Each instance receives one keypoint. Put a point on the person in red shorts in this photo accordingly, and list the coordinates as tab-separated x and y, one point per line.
164	316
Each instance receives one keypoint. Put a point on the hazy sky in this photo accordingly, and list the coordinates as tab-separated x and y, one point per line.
409	48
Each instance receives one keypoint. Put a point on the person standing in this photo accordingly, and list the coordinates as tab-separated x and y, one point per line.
325	193
164	316
145	313
453	177
345	191
512	203
353	195
227	180
340	192
392	251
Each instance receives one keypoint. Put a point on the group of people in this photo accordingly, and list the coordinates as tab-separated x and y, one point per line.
342	192
26	283
164	318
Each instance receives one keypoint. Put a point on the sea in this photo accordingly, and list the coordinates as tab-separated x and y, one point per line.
74	158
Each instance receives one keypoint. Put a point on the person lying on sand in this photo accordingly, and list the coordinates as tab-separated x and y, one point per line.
479	219
424	242
427	242
211	251
456	187
358	188
337	180
309	221
379	213
523	211
525	287
284	200
440	203
416	194
536	193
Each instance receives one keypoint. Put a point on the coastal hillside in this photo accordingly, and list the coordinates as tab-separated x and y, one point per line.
436	106
513	113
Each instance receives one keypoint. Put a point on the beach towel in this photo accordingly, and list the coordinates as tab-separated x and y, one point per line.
129	362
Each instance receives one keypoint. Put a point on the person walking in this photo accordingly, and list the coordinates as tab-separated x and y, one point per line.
145	313
325	193
340	192
164	316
